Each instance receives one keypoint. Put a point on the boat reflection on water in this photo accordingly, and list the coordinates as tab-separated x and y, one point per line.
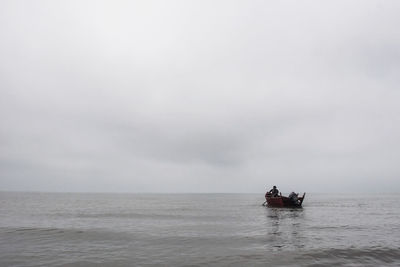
285	228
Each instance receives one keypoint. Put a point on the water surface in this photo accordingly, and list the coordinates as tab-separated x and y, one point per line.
68	229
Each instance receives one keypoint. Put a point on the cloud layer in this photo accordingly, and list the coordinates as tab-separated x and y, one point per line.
205	96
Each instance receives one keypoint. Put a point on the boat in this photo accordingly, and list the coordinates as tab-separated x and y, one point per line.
279	201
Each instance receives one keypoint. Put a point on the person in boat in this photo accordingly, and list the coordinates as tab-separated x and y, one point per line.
274	191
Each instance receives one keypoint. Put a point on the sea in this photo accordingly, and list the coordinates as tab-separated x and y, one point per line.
96	229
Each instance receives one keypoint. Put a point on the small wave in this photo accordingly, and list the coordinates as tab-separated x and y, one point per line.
364	257
31	229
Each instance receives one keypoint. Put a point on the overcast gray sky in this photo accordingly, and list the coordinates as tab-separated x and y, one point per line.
200	96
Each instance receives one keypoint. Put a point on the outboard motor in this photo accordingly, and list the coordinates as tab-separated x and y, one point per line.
294	197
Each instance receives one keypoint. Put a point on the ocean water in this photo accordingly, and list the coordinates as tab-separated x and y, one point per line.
68	229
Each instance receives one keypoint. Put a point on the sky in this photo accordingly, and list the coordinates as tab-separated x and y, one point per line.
200	96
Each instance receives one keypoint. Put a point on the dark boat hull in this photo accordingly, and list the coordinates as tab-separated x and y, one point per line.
283	202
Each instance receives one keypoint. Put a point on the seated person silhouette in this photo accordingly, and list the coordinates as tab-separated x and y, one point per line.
274	191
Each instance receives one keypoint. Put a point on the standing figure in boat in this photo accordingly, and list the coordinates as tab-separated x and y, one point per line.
274	191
